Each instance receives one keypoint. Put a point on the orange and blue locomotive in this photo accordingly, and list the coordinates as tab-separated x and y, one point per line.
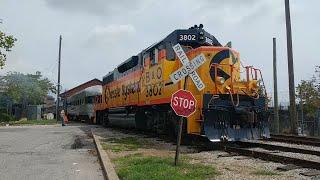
136	94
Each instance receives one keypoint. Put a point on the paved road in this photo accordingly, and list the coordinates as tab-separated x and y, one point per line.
48	152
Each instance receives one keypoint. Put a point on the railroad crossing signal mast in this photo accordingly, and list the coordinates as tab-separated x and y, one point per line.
183	102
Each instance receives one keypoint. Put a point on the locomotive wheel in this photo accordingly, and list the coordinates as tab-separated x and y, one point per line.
99	118
141	120
105	120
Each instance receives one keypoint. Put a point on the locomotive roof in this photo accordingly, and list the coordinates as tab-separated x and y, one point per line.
189	37
194	36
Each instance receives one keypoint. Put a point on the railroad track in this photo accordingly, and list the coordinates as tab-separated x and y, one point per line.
275	153
266	151
295	139
273	147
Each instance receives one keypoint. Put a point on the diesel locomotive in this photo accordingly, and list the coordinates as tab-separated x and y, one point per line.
231	106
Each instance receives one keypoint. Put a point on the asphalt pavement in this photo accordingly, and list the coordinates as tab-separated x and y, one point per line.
48	152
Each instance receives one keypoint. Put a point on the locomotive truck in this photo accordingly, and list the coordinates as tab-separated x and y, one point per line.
232	105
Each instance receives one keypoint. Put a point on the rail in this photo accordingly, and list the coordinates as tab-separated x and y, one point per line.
296	139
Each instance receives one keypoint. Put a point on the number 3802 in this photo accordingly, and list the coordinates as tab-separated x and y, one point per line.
187	37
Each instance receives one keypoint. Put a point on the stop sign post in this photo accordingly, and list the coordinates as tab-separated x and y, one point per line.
183	104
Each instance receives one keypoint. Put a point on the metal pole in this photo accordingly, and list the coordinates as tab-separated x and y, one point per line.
293	115
176	159
318	123
302	119
275	87
58	92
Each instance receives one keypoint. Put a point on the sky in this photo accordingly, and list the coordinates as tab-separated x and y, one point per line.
97	35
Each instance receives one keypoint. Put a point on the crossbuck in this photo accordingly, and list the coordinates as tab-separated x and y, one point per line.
188	68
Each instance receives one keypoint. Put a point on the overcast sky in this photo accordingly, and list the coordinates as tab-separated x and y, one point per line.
99	34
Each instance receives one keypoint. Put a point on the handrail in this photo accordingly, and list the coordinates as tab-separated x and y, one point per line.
255	74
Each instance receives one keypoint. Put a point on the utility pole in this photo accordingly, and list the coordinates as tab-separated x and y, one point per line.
58	92
275	87
293	115
302	95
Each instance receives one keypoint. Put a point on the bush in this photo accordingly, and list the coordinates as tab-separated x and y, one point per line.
3	110
5	117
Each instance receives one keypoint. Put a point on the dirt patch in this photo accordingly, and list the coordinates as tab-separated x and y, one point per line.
77	144
93	152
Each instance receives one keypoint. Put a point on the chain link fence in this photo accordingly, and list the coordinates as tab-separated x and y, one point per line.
309	126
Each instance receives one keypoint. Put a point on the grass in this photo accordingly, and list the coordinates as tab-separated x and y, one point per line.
138	166
30	122
262	172
124	144
146	167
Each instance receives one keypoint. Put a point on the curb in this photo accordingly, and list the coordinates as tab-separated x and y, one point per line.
105	161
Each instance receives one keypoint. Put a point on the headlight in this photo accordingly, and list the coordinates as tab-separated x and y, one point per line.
220	80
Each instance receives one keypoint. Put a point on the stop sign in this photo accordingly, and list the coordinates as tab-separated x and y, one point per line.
183	103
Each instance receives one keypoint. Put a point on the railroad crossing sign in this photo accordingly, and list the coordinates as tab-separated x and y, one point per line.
188	68
183	103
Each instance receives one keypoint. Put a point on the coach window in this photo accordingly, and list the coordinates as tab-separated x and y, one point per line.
89	99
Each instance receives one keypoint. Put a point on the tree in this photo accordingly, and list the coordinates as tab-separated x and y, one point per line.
317	77
6	44
308	93
26	89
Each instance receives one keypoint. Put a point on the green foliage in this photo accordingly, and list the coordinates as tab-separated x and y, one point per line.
26	89
6	44
4	117
147	167
308	93
34	122
3	110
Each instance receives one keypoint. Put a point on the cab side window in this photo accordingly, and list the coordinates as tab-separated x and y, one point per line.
146	59
170	55
156	56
